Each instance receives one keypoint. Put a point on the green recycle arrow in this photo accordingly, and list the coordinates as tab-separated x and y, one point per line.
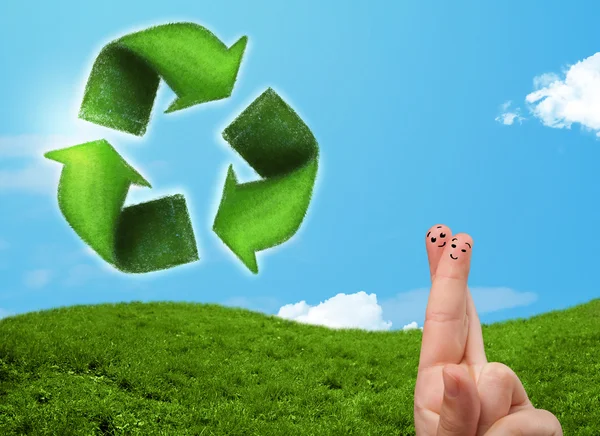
158	234
280	147
140	238
122	86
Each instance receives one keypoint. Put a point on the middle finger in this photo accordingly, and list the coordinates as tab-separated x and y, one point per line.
445	327
437	238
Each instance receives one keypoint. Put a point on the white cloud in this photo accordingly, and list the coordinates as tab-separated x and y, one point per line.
576	99
412	326
359	310
37	278
402	308
509	117
561	102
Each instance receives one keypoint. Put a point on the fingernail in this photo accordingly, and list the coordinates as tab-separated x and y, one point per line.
450	385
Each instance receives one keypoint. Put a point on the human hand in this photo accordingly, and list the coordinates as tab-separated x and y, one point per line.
489	397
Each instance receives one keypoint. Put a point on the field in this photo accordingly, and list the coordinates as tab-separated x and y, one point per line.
195	369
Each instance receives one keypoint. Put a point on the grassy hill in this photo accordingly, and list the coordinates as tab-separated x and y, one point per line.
197	369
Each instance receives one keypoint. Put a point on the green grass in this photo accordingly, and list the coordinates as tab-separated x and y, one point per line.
196	369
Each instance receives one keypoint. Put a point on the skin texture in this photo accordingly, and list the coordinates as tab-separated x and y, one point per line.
458	392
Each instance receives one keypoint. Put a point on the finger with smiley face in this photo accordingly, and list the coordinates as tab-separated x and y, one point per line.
443	246
438	234
474	350
436	239
461	247
446	327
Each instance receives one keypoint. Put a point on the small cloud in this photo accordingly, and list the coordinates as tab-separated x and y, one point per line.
509	117
412	326
37	278
359	310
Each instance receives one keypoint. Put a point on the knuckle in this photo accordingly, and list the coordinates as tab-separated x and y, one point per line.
452	426
553	422
456	275
498	372
439	316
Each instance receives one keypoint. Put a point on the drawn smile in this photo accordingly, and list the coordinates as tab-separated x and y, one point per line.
442	244
453	257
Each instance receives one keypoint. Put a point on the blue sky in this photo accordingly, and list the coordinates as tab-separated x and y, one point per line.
410	105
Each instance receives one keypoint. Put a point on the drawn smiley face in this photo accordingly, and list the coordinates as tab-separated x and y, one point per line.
440	235
463	250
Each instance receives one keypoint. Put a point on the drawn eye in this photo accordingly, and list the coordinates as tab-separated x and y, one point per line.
453	245
433	239
442	235
463	250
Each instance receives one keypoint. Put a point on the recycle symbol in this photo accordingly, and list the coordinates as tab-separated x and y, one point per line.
158	234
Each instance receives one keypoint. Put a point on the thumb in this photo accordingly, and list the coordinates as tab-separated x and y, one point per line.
460	407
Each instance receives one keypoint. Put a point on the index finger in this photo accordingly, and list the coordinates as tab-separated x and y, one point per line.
438	236
446	326
436	240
